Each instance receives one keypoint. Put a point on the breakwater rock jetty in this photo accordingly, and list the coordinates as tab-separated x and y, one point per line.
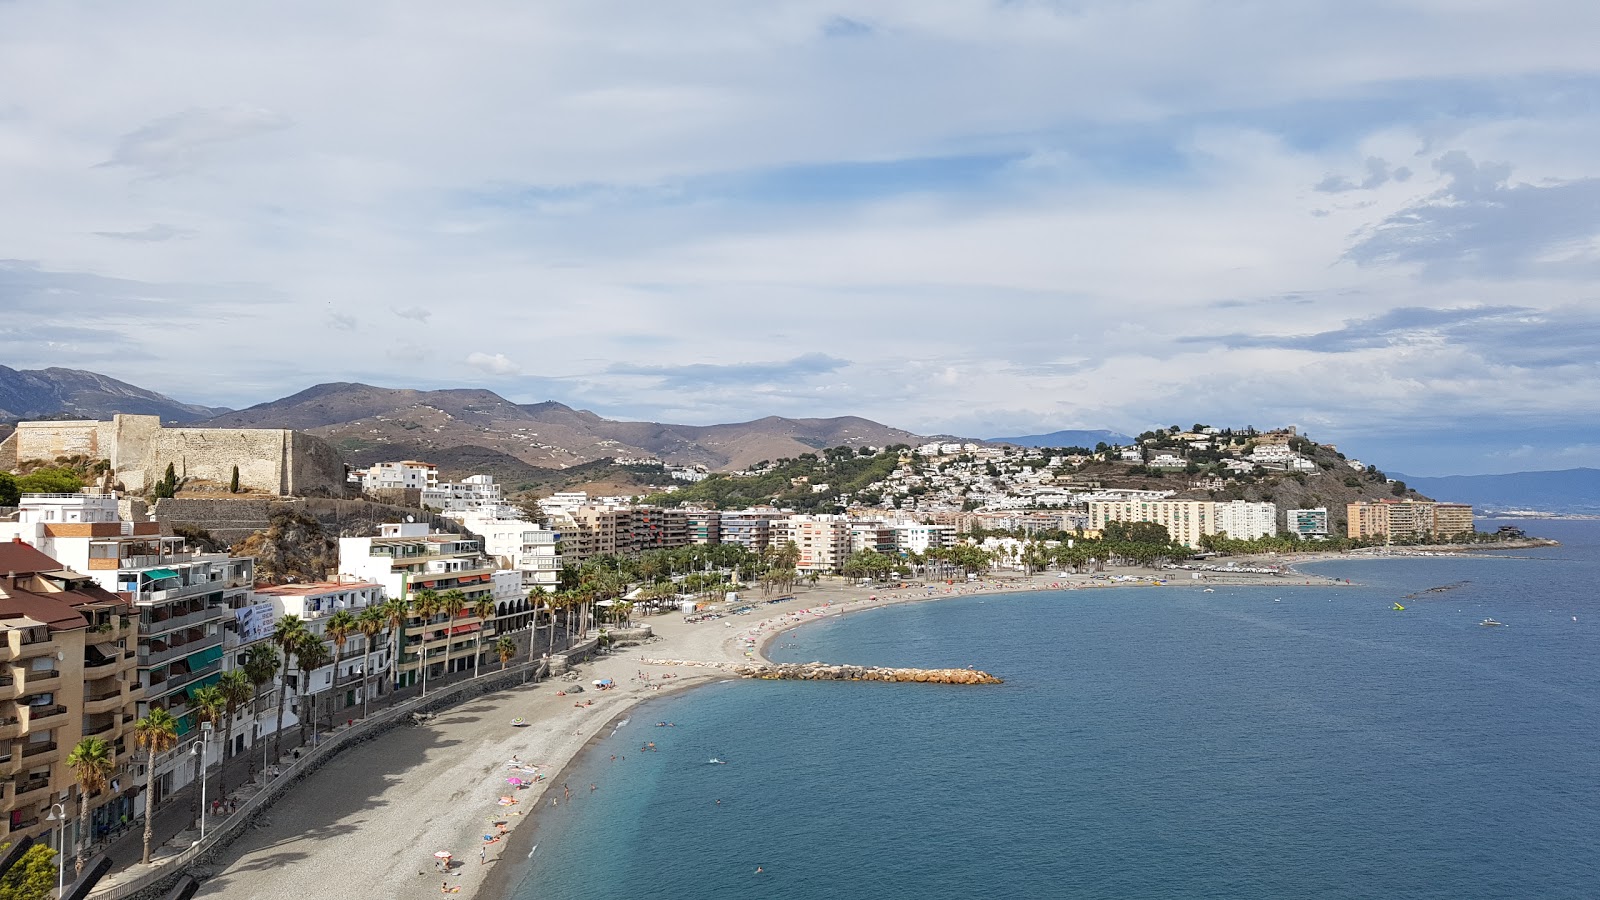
819	671
816	671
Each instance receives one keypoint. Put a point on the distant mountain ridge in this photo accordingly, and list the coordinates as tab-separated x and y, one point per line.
1559	491
74	393
1066	439
369	423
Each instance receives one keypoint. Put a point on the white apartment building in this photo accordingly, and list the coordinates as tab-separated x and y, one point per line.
406	474
405	559
873	535
1307	523
1246	521
340	685
526	547
473	494
912	537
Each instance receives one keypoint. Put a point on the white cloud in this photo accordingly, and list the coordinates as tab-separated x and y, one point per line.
1027	205
493	364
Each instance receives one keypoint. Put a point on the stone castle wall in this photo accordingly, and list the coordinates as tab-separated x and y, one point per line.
232	519
274	460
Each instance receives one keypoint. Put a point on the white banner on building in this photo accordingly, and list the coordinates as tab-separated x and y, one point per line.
255	622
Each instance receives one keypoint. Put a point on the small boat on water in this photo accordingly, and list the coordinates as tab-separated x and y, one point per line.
1398	607
1490	623
713	761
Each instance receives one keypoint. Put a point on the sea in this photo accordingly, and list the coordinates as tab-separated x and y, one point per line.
1265	742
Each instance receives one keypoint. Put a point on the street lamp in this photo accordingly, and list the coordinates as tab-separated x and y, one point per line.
58	814
198	748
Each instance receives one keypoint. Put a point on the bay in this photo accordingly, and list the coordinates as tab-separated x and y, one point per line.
1148	742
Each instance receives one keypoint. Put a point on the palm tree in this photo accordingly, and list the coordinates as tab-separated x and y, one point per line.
538	598
426	605
395	613
483	608
452	603
236	690
506	648
209	707
341	625
156	733
370	623
92	761
286	634
312	654
260	666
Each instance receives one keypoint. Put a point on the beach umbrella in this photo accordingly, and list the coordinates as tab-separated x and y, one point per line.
516	781
442	854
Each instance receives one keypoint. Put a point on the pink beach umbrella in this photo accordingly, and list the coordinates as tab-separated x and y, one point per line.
442	854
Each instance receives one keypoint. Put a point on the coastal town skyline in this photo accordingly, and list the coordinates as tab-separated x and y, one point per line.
959	218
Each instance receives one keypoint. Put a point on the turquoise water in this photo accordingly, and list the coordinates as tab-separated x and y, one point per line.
1149	743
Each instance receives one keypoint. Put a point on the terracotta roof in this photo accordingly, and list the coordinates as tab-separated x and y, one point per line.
44	608
17	558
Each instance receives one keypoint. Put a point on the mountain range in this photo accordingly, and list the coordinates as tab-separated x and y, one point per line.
371	424
1570	491
56	393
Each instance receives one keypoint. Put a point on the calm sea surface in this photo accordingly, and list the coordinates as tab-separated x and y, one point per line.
1164	743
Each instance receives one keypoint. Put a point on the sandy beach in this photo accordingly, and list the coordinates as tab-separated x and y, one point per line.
370	822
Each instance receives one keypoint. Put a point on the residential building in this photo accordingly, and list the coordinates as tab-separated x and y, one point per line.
406	559
340	685
67	671
704	526
406	474
184	601
872	535
1244	520
750	529
823	541
473	494
1186	521
914	537
1407	519
1308	523
527	547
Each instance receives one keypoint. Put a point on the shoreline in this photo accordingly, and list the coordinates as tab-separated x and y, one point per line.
441	800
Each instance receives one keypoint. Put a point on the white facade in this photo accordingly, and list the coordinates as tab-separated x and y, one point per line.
314	604
405	474
475	493
520	545
1246	521
910	537
1308	522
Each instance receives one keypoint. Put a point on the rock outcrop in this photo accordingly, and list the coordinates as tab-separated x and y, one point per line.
816	671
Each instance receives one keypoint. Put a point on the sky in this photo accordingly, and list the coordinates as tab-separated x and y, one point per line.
1378	221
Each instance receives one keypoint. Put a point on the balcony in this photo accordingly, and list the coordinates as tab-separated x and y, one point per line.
8	688
43	718
10	728
175	682
36	648
106	702
176	651
25	792
39	681
102	731
91	671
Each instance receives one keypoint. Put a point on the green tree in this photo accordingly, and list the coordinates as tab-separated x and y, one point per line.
426	604
155	734
286	635
505	648
395	614
310	655
33	877
167	487
233	482
236	689
341	625
483	609
49	481
9	493
261	663
209	707
370	623
92	761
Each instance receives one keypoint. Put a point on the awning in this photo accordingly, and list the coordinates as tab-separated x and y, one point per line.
462	629
108	650
158	574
